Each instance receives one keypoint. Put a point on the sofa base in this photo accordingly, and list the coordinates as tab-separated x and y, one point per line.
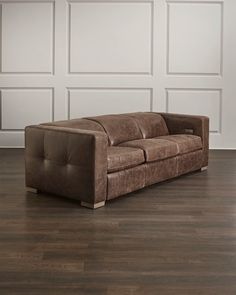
32	190
125	181
204	168
93	206
101	204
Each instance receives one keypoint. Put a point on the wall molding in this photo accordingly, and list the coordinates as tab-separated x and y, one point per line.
219	90
128	73
52	72
111	89
192	74
25	88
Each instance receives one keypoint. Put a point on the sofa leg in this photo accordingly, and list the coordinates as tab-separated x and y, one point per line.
32	190
204	168
93	206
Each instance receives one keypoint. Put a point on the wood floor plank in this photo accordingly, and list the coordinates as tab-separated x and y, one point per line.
174	238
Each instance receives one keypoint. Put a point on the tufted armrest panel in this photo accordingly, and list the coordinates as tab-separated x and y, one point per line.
67	161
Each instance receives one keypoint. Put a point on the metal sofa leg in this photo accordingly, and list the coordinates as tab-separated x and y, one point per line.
204	168
93	206
32	190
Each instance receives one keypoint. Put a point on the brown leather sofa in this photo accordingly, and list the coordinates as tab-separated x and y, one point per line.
99	158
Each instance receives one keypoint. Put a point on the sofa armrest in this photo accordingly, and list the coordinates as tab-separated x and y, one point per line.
190	124
67	161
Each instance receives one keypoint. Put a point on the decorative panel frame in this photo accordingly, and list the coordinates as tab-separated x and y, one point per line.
87	73
52	71
150	90
52	103
219	129
200	2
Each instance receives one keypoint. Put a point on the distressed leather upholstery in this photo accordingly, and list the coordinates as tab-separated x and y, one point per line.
125	181
120	158
186	143
164	147
100	158
154	149
66	161
150	124
189	124
83	124
119	128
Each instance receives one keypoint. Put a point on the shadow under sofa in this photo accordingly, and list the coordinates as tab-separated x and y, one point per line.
96	159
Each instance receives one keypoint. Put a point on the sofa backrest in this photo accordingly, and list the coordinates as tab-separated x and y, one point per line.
131	126
150	124
119	128
78	124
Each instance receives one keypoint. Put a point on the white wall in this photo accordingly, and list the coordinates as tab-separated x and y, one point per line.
65	59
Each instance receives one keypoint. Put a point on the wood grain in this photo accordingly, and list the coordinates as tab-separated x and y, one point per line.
178	237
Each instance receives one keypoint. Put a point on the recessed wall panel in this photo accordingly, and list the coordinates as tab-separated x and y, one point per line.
27	37
92	102
197	102
194	38
22	107
113	37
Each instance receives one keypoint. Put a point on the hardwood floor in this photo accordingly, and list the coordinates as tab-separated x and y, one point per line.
176	238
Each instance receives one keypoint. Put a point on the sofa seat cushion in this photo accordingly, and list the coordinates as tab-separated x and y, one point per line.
120	158
154	149
186	143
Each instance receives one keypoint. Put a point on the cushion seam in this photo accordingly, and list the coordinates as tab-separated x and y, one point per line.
125	167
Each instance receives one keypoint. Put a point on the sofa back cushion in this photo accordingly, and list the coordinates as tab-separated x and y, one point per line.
119	128
150	124
77	124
